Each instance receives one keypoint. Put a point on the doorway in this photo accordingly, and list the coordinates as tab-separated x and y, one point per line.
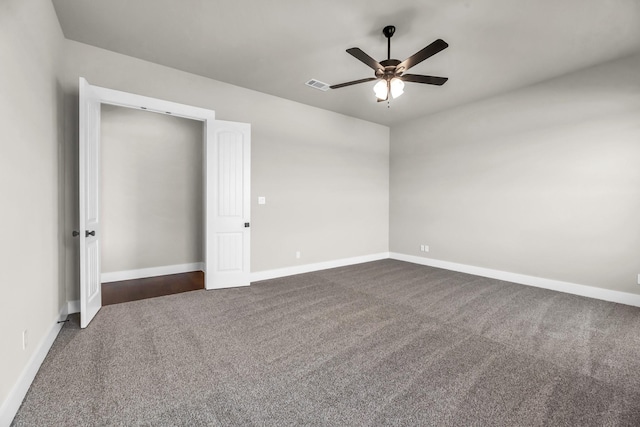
151	204
226	192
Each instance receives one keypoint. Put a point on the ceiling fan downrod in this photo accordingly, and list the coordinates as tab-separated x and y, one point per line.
388	32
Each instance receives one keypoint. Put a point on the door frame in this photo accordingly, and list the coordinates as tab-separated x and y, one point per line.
155	105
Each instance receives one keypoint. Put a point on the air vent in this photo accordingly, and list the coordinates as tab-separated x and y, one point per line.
318	85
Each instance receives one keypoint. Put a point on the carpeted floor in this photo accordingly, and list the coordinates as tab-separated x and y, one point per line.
381	343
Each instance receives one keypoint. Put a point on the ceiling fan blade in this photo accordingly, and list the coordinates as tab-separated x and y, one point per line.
360	55
430	80
355	82
420	56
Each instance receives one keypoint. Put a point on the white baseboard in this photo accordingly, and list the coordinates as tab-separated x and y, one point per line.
308	268
539	282
17	393
73	306
141	273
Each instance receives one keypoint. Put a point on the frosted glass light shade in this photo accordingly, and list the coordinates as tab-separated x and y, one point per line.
380	89
397	87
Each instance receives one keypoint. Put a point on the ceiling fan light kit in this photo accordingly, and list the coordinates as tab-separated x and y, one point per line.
391	72
380	89
395	86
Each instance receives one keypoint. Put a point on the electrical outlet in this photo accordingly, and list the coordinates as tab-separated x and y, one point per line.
421	248
24	339
426	248
297	254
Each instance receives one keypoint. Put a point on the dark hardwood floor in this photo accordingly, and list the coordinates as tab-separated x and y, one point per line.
150	287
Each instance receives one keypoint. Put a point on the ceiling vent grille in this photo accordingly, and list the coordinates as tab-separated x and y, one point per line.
316	84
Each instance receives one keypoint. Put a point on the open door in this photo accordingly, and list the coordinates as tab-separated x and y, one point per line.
228	202
89	175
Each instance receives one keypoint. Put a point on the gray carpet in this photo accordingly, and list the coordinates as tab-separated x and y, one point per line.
381	343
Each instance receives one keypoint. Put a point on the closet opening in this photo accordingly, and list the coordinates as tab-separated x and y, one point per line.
151	204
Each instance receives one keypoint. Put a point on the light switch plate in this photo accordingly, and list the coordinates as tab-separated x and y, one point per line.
262	200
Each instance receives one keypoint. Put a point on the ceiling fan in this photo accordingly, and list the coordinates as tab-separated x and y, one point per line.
390	72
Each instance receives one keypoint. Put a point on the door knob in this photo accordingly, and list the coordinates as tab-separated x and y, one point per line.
88	233
75	233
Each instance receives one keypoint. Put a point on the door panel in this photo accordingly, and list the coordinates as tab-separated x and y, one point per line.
228	252
228	157
89	183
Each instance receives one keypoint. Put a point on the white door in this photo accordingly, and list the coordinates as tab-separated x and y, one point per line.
227	195
89	174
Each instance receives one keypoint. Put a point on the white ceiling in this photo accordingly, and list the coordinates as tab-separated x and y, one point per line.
276	46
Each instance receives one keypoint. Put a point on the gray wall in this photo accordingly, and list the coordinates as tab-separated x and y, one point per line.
152	201
325	175
542	181
32	290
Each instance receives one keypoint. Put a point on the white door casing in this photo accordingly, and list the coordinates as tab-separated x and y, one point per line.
228	203
227	179
89	174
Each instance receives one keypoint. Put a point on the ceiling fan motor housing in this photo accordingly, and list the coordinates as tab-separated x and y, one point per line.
390	69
